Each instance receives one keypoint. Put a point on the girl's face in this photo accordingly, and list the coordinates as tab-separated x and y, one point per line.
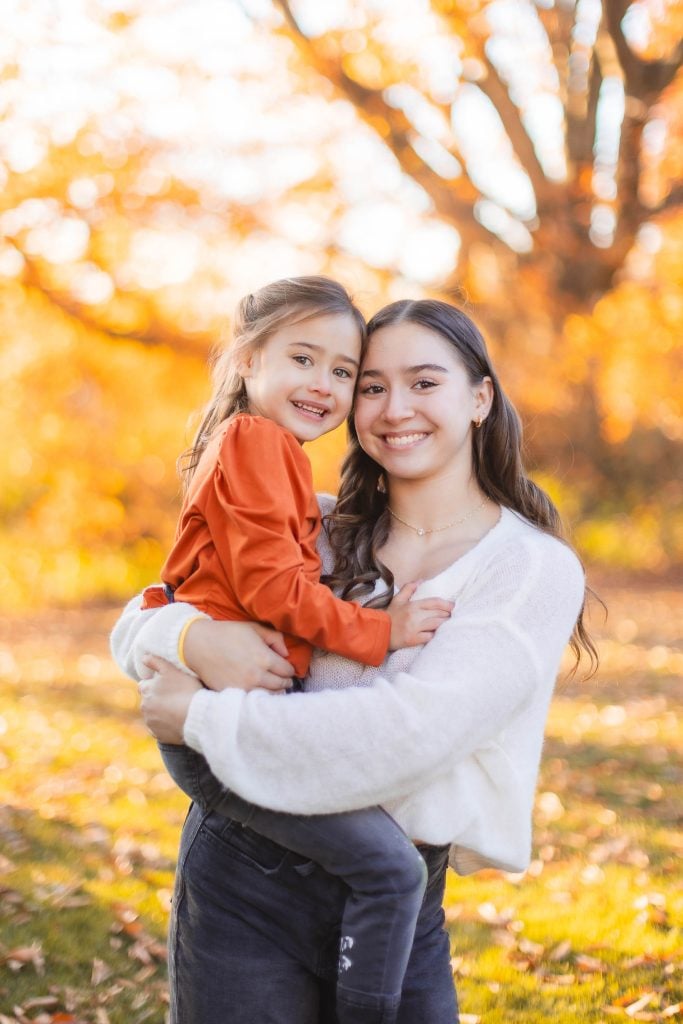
304	376
415	405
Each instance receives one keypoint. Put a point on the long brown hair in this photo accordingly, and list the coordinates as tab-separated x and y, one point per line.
359	525
258	316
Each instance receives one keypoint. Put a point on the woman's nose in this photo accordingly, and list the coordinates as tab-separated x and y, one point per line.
397	406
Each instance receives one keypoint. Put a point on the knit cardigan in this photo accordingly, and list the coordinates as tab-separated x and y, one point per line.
447	737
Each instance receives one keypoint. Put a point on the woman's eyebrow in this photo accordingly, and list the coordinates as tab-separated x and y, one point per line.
341	358
420	368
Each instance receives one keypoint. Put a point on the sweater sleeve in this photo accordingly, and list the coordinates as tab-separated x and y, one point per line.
352	748
141	631
261	524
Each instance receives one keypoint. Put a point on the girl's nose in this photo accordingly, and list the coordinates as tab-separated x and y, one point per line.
321	383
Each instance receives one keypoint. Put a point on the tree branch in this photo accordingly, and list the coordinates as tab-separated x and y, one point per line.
453	200
154	335
673	199
645	79
492	85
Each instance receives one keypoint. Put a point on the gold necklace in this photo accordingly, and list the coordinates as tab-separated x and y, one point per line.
439	529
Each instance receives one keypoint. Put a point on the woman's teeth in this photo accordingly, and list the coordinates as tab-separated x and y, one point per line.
403	440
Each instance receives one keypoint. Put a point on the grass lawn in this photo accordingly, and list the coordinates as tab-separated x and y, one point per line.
89	824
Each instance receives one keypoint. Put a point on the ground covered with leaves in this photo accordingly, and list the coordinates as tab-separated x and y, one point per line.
89	825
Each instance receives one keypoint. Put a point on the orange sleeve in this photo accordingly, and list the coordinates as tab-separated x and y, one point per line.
154	597
264	532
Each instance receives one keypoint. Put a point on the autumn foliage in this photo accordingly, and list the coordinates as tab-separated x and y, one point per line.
185	156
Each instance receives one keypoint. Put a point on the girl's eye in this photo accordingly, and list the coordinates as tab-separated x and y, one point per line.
303	360
342	372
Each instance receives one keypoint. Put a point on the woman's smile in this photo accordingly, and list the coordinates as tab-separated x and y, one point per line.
405	440
414	415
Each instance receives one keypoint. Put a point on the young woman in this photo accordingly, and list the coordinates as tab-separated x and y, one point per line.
447	738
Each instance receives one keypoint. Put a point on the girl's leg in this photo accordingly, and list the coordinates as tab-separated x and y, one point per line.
386	876
368	851
253	931
428	989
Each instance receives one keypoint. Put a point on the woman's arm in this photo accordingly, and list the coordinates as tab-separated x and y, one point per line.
329	751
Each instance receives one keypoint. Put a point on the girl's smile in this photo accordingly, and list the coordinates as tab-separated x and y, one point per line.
304	375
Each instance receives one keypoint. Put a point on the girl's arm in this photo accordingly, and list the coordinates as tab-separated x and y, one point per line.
244	655
262	528
155	631
347	749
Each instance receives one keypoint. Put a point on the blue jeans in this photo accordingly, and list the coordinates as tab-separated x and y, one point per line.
254	934
368	851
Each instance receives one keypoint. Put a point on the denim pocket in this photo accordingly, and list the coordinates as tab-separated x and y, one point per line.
266	856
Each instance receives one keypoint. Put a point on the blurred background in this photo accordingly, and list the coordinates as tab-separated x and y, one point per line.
159	159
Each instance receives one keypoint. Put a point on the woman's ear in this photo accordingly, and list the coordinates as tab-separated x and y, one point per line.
483	400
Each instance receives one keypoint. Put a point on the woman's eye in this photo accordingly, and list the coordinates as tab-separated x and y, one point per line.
372	389
423	385
303	360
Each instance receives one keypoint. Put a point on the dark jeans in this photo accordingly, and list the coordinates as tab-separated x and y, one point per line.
368	851
254	935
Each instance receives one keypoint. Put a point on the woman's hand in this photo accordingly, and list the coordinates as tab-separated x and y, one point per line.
165	699
240	654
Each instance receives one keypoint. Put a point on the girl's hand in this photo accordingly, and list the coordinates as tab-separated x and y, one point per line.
165	699
239	654
415	622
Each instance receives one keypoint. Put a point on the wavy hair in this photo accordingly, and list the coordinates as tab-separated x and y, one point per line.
359	525
258	316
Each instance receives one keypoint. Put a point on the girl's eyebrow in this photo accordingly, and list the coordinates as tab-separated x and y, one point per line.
409	369
318	348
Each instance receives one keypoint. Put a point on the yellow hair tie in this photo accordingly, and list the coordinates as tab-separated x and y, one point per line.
181	638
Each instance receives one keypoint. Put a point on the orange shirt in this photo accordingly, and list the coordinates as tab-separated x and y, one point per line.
245	547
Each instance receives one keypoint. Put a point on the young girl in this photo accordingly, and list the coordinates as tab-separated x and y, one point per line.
245	550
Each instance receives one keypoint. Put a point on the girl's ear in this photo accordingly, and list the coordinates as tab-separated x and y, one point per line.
245	367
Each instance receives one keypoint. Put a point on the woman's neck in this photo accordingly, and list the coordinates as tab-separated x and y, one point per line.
434	522
429	505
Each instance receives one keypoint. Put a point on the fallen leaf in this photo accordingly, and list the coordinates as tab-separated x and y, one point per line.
40	1002
561	951
590	964
633	1008
100	972
22	955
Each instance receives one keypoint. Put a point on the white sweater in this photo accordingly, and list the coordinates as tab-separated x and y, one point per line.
447	737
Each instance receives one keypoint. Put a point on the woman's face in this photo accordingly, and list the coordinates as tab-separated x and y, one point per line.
415	405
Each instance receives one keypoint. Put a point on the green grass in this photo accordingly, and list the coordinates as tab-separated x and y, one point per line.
90	823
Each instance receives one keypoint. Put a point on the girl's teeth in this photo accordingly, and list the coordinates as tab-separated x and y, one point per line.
400	442
309	408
